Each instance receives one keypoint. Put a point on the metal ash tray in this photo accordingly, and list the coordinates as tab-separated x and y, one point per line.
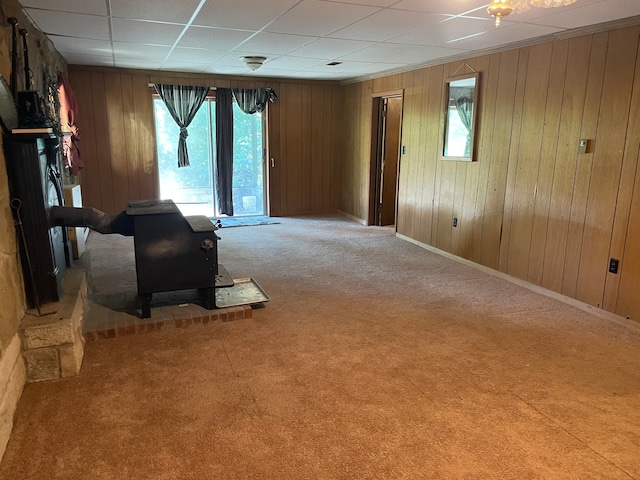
245	291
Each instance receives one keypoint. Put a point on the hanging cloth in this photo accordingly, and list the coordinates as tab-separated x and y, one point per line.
252	100
183	102
68	113
224	150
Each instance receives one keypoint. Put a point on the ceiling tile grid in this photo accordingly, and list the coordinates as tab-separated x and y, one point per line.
300	37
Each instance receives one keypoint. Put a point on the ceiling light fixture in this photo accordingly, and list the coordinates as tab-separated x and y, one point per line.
253	62
501	8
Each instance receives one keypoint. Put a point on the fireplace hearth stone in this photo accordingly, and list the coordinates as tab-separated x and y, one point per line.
52	343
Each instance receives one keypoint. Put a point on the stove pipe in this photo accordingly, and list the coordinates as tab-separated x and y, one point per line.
94	219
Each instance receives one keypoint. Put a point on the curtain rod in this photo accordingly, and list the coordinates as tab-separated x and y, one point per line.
151	84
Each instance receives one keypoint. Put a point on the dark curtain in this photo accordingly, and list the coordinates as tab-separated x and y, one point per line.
224	150
183	102
252	100
464	106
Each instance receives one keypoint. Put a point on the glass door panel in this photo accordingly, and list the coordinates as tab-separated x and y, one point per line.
191	188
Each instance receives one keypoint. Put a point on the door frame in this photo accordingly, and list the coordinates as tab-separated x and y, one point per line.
376	127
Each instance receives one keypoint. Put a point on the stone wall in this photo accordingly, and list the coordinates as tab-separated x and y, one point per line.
42	56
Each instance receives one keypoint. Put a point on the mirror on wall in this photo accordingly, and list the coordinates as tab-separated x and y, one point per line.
460	113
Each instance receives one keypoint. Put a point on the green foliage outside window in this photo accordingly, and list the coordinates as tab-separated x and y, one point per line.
194	185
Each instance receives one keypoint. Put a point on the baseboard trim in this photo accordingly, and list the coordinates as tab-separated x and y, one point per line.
622	321
352	217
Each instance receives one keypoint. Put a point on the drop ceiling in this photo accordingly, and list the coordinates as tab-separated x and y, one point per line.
367	38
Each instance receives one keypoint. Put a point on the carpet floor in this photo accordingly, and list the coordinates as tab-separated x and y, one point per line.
374	359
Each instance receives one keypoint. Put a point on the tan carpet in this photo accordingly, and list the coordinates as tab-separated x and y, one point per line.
374	359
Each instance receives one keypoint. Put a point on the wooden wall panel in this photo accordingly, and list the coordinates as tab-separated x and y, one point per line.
469	195
102	160
409	198
627	303
531	205
498	152
566	162
293	140
512	159
528	161
317	153
354	170
621	292
118	138
83	90
144	151
548	160
607	160
273	151
598	52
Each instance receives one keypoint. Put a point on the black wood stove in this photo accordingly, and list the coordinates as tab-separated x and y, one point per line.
172	252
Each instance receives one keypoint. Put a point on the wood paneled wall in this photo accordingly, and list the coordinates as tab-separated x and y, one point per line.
118	145
530	206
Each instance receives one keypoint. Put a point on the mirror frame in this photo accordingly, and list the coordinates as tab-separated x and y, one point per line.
446	119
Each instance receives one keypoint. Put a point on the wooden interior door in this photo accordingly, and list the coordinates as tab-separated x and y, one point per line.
389	153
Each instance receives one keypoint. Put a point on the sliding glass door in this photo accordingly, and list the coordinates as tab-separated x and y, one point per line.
192	188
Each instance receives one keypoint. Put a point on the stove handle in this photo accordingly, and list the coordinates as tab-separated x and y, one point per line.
207	244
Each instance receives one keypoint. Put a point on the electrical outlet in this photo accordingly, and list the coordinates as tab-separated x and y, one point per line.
583	146
455	221
613	265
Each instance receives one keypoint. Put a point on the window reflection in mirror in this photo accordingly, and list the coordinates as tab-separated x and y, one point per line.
460	117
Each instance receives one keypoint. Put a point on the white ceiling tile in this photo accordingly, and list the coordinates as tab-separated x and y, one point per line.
214	38
374	3
232	59
274	43
185	67
452	7
91	7
504	35
226	70
342	67
138	63
157	10
313	17
374	68
135	31
71	24
386	24
195	55
446	31
330	48
425	54
388	52
242	14
293	63
133	50
80	59
81	46
587	14
299	37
